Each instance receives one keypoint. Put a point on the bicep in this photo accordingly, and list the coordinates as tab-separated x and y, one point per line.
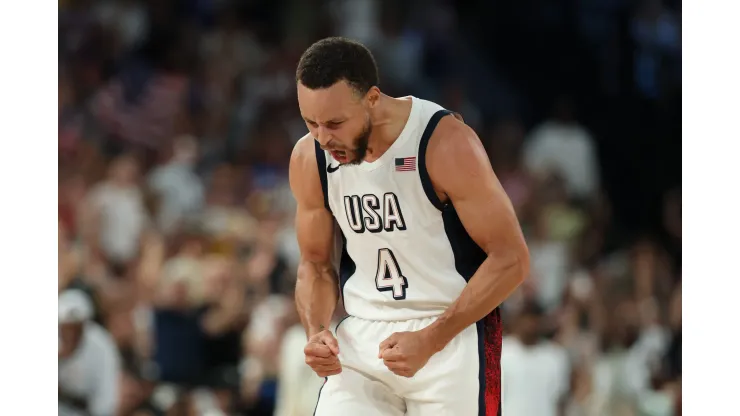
464	174
487	214
314	222
315	233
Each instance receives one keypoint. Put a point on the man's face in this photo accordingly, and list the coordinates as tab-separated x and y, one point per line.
339	119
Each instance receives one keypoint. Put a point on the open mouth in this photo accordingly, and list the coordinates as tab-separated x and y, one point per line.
339	155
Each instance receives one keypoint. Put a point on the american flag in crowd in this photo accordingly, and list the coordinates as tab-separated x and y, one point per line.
405	164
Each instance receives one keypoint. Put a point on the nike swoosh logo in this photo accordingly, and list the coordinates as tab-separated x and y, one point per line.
331	168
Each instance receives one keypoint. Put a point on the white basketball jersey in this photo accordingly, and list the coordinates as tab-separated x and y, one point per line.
405	255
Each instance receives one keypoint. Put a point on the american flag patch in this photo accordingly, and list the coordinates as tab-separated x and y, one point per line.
405	164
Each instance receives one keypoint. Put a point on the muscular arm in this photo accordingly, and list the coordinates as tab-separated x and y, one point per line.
317	288
462	174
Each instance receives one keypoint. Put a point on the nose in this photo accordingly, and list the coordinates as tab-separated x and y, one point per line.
323	136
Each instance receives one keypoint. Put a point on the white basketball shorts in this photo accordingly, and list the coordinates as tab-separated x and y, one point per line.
464	379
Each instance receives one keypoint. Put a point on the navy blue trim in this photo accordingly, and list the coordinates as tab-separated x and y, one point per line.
347	268
326	379
480	327
487	334
321	162
426	182
340	323
468	258
468	255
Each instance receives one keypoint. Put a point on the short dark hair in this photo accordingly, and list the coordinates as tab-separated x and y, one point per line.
334	59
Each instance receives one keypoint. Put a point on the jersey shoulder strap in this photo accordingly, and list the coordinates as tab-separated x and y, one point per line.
426	181
321	163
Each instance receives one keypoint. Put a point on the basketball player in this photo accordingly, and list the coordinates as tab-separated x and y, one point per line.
430	246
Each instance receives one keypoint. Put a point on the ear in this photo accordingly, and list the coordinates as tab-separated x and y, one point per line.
372	96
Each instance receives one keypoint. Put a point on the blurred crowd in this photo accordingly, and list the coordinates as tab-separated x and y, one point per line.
177	255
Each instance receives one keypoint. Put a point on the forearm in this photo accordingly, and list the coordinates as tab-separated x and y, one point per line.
316	295
487	289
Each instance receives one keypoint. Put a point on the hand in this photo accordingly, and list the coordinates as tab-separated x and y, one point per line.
322	352
405	353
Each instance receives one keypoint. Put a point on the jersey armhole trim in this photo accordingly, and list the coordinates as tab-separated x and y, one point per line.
426	181
321	162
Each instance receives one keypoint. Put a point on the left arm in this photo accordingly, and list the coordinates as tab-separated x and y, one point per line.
462	175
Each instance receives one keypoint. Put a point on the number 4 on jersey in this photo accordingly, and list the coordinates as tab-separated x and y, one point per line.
389	277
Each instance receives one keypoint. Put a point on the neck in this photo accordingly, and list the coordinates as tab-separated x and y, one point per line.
388	119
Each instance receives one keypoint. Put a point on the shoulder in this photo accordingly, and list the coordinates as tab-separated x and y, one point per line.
303	157
454	149
304	177
452	132
303	147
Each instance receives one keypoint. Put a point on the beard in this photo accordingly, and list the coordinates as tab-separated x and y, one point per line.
360	144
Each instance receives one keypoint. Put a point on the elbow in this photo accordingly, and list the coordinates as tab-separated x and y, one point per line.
517	267
522	263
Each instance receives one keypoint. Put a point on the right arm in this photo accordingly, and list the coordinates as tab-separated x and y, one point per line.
317	288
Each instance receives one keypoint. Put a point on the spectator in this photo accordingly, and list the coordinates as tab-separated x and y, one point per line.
178	307
563	146
89	364
116	216
224	219
555	224
180	190
222	324
535	373
357	19
262	344
299	386
127	18
505	149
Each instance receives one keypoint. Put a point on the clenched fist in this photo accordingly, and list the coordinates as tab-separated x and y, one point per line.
405	353
322	352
